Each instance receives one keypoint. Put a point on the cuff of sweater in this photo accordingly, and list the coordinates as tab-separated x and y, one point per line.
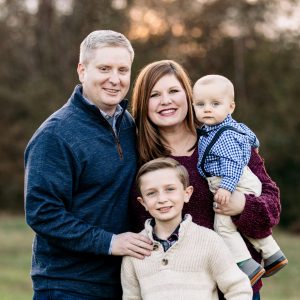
105	240
111	243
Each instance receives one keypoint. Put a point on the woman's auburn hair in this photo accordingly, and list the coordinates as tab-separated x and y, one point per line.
149	141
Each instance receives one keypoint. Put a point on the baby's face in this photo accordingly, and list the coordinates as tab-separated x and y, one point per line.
212	102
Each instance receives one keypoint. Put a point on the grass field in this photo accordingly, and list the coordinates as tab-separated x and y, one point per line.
285	285
15	255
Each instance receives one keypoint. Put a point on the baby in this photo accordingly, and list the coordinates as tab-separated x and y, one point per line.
224	152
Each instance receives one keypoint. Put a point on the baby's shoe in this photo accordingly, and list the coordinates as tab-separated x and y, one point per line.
274	263
252	269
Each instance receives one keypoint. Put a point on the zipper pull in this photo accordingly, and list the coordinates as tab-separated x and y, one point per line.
119	149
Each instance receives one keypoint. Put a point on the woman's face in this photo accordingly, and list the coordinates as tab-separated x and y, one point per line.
167	105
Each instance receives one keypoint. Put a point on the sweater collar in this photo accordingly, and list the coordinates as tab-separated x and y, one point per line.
183	227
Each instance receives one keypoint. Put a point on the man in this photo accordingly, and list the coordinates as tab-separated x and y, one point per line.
79	168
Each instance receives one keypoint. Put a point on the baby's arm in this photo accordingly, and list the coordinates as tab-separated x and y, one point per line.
222	196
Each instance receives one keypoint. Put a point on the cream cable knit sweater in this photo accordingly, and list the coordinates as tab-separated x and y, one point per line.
191	269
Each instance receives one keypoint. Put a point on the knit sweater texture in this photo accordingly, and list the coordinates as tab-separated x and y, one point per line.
191	269
257	219
78	176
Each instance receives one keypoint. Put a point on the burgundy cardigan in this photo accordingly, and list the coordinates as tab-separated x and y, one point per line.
257	219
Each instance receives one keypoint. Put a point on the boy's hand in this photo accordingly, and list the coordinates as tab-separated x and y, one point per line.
222	196
131	244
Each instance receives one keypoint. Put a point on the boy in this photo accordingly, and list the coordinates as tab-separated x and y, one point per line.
187	261
224	152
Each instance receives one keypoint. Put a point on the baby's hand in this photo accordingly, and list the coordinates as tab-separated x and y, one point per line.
222	196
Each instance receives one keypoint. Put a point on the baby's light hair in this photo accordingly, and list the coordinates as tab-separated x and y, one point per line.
213	79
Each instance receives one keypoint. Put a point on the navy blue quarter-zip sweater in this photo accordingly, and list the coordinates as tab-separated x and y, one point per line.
78	176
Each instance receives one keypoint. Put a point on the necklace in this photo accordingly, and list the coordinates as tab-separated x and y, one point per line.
183	148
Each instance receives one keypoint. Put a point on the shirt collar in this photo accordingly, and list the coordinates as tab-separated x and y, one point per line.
117	113
173	237
227	120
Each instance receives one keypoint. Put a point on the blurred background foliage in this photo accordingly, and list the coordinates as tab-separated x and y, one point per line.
255	43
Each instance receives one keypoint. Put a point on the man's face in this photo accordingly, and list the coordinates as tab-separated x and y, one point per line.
105	77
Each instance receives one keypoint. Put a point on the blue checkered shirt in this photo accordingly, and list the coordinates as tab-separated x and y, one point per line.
229	155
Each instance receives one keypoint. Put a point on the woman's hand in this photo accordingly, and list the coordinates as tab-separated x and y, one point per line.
234	207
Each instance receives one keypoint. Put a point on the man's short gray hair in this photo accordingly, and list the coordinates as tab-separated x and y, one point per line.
103	38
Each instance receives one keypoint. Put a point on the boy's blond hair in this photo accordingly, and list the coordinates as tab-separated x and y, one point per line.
163	163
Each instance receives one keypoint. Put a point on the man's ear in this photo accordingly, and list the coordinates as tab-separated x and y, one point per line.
141	200
81	71
188	193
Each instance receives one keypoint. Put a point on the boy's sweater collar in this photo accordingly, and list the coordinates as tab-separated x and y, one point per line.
183	227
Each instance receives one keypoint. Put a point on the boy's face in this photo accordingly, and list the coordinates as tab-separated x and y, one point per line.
163	195
212	102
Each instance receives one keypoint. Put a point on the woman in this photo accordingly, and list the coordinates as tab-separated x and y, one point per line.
162	108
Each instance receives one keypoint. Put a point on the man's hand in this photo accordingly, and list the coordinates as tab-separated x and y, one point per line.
131	244
222	196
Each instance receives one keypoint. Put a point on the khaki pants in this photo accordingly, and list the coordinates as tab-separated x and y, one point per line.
223	225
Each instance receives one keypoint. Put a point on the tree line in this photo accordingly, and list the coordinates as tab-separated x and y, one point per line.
238	39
